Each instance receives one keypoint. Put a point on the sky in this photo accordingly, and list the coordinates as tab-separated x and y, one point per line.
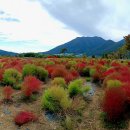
40	25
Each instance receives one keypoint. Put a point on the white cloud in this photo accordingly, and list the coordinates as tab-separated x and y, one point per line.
35	24
106	18
48	23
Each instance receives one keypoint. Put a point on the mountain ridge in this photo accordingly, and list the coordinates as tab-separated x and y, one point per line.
7	53
89	45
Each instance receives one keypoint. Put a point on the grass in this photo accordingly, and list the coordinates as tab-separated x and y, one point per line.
116	125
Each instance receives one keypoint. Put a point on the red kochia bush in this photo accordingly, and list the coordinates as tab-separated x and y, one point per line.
68	77
75	73
7	92
114	103
1	74
24	117
58	72
31	84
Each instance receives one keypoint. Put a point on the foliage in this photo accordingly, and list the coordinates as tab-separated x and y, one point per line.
41	73
29	69
7	92
114	103
56	99
117	125
78	104
11	77
30	85
1	74
92	72
59	82
76	87
68	123
58	72
24	117
85	72
68	77
113	83
127	41
63	50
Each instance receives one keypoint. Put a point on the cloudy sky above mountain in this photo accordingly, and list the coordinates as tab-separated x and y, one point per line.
39	25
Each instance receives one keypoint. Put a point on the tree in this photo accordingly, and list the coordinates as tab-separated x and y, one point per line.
127	42
63	50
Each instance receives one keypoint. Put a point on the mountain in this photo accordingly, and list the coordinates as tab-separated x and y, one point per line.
88	45
7	53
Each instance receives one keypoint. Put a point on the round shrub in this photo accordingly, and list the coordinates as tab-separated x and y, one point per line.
24	117
30	85
58	72
7	92
114	103
36	71
1	74
29	69
59	82
92	72
75	87
56	99
41	73
85	72
11	77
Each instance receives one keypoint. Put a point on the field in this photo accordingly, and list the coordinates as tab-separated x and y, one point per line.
64	94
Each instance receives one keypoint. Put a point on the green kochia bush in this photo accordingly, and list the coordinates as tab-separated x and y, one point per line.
41	73
113	84
36	71
56	99
76	87
29	69
92	72
59	82
11	77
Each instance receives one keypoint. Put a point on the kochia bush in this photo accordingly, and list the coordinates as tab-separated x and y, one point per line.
24	117
36	71
41	73
7	93
76	87
11	77
30	85
59	82
114	103
29	69
56	99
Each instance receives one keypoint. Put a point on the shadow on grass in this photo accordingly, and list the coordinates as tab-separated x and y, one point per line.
113	125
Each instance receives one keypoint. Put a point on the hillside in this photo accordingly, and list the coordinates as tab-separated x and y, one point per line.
7	53
88	45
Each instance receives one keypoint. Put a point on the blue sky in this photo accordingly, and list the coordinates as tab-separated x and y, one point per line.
39	25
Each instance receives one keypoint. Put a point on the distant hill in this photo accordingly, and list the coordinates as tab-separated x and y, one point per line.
89	45
7	53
